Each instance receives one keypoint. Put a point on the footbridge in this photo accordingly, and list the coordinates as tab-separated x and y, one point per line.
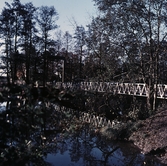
134	89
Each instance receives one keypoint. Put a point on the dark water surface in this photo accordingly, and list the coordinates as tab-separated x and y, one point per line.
91	150
46	134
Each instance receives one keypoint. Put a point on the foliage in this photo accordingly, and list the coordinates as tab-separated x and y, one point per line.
137	29
125	42
28	125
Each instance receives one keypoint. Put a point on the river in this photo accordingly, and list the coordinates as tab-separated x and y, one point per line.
44	133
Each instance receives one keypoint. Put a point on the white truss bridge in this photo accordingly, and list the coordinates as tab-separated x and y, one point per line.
134	89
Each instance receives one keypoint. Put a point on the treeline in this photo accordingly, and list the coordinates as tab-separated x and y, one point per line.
134	32
125	42
32	47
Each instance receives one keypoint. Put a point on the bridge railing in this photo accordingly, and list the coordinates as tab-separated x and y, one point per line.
136	89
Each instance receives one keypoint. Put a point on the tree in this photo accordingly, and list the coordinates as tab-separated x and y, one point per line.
46	19
27	35
10	22
138	28
80	36
6	23
67	41
101	48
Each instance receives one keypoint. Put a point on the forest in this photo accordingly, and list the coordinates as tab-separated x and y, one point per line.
126	42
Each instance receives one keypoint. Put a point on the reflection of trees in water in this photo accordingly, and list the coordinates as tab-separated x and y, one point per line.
86	145
80	147
96	150
29	130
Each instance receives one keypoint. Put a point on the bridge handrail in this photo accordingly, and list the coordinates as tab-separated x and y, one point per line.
136	89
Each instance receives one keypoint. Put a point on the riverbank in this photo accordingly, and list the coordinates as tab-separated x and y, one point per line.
148	135
151	136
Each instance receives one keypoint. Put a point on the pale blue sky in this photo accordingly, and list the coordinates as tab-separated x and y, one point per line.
68	10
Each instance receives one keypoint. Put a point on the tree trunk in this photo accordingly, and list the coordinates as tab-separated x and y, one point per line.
150	95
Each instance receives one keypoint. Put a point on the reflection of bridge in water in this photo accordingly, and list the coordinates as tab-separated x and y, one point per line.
134	89
94	120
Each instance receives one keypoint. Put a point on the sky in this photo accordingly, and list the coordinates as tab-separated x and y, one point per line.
69	11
